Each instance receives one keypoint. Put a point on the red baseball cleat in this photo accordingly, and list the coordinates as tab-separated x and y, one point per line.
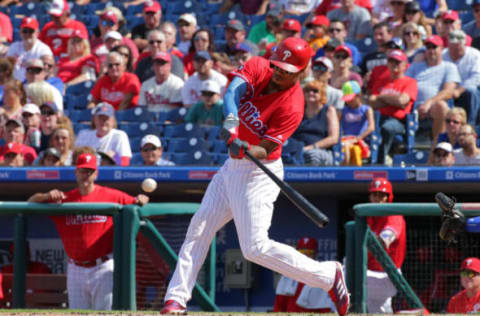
339	292
173	308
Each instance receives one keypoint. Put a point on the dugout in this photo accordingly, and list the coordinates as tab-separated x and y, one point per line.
334	190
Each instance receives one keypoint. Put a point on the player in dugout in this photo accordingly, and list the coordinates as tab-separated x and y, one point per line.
467	301
88	239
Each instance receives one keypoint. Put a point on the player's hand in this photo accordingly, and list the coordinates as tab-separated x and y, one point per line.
56	196
424	109
238	148
229	130
142	199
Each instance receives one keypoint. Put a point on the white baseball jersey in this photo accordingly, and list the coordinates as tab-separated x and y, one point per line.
191	89
159	97
116	141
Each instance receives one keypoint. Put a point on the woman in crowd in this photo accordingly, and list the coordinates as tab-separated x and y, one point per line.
41	92
412	40
319	130
13	101
413	13
62	140
6	71
202	40
126	53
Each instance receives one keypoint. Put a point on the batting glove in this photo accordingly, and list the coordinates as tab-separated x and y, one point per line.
229	130
238	148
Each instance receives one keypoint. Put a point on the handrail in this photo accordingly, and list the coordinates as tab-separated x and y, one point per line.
13	208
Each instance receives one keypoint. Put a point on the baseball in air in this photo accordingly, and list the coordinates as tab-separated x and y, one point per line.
149	185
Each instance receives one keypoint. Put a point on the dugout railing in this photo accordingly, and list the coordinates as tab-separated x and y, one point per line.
128	220
360	240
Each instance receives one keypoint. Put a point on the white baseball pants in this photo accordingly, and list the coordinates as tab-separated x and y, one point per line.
242	191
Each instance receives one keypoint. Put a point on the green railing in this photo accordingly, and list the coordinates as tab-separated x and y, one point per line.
128	221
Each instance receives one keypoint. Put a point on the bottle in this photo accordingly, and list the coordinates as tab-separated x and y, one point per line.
35	138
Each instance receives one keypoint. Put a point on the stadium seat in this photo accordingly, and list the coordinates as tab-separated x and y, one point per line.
134	21
180	7
219	146
93	8
459	5
212	8
90	20
292	152
365	46
184	130
213	133
77	10
135	143
77	127
141	129
201	158
31	9
80	115
76	102
220	158
136	114
414	158
177	115
137	159
81	88
179	145
133	10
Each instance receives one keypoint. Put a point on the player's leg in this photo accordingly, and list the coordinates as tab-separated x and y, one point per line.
210	217
102	285
380	292
252	194
77	283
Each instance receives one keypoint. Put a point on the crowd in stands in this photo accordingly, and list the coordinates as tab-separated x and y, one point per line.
142	82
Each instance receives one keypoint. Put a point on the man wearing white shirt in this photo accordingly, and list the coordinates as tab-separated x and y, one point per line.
30	47
469	153
202	62
163	92
187	25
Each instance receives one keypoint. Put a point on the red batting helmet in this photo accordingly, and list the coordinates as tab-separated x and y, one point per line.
292	55
381	185
307	243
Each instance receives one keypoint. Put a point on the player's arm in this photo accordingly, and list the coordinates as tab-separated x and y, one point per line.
141	199
263	149
236	89
51	196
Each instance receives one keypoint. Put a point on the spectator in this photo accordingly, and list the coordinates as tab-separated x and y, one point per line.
382	34
93	258
15	132
437	80
50	158
117	87
151	151
170	31
202	40
394	100
319	129
152	14
293	7
291	28
14	99
466	59
263	33
6	70
30	47
235	33
203	65
413	44
12	155
322	71
79	65
105	159
209	111
251	7
317	30
398	12
104	137
241	55
468	154
163	92
467	301
355	18
126	53
414	14
50	75
156	44
36	84
110	40
63	140
337	33
58	31
455	118
50	118
31	122
356	122
342	64
451	22
442	155
187	25
391	232
472	28
6	32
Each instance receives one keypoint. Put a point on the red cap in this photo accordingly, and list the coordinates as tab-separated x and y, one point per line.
450	15
291	25
163	56
307	243
292	54
398	54
109	15
15	148
471	264
30	23
80	34
435	40
381	185
152	6
87	161
343	48
319	20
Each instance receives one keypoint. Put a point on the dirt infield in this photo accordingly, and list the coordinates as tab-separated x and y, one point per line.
20	312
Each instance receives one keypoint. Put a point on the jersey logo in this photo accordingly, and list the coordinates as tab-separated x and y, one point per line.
250	116
286	54
88	158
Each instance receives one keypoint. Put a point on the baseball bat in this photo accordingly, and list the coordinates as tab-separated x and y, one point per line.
310	210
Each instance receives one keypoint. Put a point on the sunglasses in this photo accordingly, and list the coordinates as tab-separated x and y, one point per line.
151	42
148	149
150	13
440	153
27	115
392	46
333	30
87	171
341	56
208	94
448	21
159	62
107	23
124	54
204	39
468	273
47	113
328	48
319	67
456	37
113	65
430	46
48	66
34	70
314	90
27	31
183	23
397	3
410	33
411	12
448	121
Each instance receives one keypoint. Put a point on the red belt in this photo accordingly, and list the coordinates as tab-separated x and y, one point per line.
89	264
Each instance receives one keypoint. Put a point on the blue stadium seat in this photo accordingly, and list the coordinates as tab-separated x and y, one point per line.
76	9
140	129
365	46
459	5
180	7
201	158
136	114
220	158
77	127
77	102
135	143
219	20
137	159
81	88
177	115
93	8
466	17
219	146
133	10
185	130
292	152
213	133
179	145
29	9
212	8
134	21
80	115
414	158
90	20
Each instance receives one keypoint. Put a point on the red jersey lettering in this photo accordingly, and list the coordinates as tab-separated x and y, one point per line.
57	37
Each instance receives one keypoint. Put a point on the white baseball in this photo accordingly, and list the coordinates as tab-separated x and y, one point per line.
149	185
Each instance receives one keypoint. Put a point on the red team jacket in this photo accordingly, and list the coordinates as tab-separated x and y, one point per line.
461	304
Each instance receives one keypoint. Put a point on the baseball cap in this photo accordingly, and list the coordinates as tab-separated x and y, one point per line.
395	43
319	20
109	15
471	264
243	47
327	63
35	63
291	25
51	105
152	6
307	243
293	54
398	55
52	151
30	23
103	108
189	18
13	148
333	42
16	122
412	6
151	139
237	25
444	146
275	11
80	34
457	36
343	48
105	157
450	15
202	54
31	108
87	161
163	56
210	86
57	7
350	89
435	40
114	35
